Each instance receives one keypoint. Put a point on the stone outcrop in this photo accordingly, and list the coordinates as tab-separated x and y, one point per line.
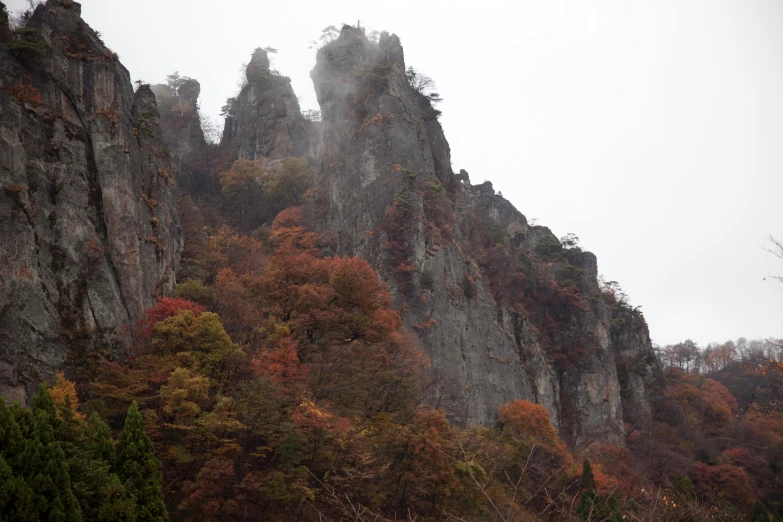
181	129
386	192
179	120
88	228
265	122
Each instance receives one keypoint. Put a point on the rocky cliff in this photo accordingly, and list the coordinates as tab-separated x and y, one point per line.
88	227
265	122
504	310
180	126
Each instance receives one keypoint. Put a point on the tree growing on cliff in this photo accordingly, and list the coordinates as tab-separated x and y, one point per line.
175	81
423	84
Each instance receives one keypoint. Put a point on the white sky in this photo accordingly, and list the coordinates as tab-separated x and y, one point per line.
651	129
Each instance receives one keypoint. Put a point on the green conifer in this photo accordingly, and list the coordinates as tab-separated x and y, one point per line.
117	504
139	468
44	468
682	487
587	507
11	441
588	480
7	485
98	439
759	513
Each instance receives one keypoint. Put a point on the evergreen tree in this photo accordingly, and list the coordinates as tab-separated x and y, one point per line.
759	513
682	487
24	505
588	480
139	468
42	401
24	419
591	505
779	511
43	466
11	441
117	505
100	492
587	498
98	439
7	485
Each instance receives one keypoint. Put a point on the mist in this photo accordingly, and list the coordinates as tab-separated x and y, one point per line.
652	131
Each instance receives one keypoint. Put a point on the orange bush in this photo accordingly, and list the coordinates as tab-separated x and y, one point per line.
25	93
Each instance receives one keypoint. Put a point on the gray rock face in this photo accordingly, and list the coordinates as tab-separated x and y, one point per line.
387	193
89	234
180	127
179	121
266	123
638	371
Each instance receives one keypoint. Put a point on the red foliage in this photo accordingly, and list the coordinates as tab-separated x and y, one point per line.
337	299
209	494
289	231
400	250
166	307
282	365
615	471
723	482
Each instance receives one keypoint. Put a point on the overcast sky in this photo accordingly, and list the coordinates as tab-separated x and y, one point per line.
653	130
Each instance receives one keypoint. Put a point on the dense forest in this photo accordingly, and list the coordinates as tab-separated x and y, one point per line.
279	380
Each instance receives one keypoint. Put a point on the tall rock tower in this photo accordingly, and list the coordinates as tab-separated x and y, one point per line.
501	307
89	234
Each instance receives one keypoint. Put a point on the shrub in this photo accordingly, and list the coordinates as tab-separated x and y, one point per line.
25	93
468	286
194	290
548	246
109	114
26	43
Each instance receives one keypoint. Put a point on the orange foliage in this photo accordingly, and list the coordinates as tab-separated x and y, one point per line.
25	92
615	471
282	365
290	233
336	299
64	395
527	420
704	403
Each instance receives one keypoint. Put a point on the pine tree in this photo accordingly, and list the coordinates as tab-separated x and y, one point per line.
117	504
759	513
588	480
587	508
7	485
139	468
682	487
98	439
591	505
11	442
43	465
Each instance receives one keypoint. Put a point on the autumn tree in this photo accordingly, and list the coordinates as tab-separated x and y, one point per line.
200	342
286	187
242	186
